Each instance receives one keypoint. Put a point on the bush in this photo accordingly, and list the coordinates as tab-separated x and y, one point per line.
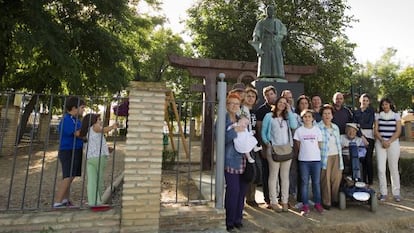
168	158
407	171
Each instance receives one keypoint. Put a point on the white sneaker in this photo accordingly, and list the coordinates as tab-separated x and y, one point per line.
250	160
257	148
299	205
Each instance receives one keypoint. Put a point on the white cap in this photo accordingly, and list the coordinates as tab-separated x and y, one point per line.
352	125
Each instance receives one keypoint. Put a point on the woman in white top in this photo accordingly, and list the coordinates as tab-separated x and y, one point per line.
276	130
387	130
97	153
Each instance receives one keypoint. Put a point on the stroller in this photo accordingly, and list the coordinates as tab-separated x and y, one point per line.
352	188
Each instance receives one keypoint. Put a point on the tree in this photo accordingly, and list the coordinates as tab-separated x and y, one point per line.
315	36
401	89
77	47
154	62
364	82
384	77
72	47
221	30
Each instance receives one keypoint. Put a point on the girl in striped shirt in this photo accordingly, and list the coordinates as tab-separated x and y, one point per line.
387	130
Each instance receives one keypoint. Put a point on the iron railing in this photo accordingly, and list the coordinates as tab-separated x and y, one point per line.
29	140
30	170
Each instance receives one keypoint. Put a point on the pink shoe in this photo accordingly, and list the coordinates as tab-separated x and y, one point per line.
305	209
319	208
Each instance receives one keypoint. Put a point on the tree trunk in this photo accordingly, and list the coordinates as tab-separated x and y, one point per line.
28	109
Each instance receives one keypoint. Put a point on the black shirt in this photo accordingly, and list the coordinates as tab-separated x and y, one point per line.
341	117
262	110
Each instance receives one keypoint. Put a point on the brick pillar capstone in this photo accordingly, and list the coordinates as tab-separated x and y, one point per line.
143	158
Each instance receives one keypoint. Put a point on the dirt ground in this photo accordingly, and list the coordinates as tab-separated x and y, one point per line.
357	217
390	216
43	167
30	182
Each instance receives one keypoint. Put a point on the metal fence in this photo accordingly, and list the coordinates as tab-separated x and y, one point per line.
29	167
183	179
30	171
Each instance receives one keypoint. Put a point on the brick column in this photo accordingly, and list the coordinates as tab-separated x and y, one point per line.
143	158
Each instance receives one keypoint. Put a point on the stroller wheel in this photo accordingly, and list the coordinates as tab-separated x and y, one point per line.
373	202
342	201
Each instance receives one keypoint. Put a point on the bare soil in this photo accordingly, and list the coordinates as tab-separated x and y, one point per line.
30	182
30	178
390	216
34	184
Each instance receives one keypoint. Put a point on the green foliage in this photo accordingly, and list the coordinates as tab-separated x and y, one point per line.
385	78
72	47
221	30
407	171
363	82
168	158
315	36
404	89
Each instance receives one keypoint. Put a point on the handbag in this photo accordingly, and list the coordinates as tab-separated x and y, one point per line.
282	153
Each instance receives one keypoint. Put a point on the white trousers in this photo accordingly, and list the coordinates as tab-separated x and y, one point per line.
392	155
274	169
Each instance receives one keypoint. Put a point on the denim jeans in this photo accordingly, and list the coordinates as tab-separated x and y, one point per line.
310	169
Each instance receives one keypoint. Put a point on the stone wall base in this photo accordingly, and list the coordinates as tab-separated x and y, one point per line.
191	219
65	221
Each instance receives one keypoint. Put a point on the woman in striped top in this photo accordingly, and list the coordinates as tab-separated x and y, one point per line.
387	131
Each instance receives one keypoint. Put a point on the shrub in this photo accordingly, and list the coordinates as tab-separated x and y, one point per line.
168	158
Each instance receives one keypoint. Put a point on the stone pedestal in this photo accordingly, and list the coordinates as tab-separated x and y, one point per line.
297	89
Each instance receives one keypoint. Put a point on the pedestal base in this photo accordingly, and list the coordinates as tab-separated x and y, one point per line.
297	89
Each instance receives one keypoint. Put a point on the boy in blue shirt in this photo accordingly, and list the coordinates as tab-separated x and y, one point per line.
70	148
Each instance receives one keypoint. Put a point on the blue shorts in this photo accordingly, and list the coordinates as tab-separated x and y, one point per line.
71	161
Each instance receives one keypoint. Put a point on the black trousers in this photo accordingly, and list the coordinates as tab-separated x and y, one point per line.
367	163
265	176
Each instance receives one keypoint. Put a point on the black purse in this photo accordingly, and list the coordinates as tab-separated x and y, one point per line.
253	171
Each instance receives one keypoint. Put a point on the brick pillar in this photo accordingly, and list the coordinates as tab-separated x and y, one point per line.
143	159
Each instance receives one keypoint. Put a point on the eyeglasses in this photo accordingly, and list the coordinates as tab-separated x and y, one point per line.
233	104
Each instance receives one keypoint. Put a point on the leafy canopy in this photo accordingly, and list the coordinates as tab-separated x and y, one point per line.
316	36
77	47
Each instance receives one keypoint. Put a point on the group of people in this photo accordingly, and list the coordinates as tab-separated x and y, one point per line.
319	135
74	130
